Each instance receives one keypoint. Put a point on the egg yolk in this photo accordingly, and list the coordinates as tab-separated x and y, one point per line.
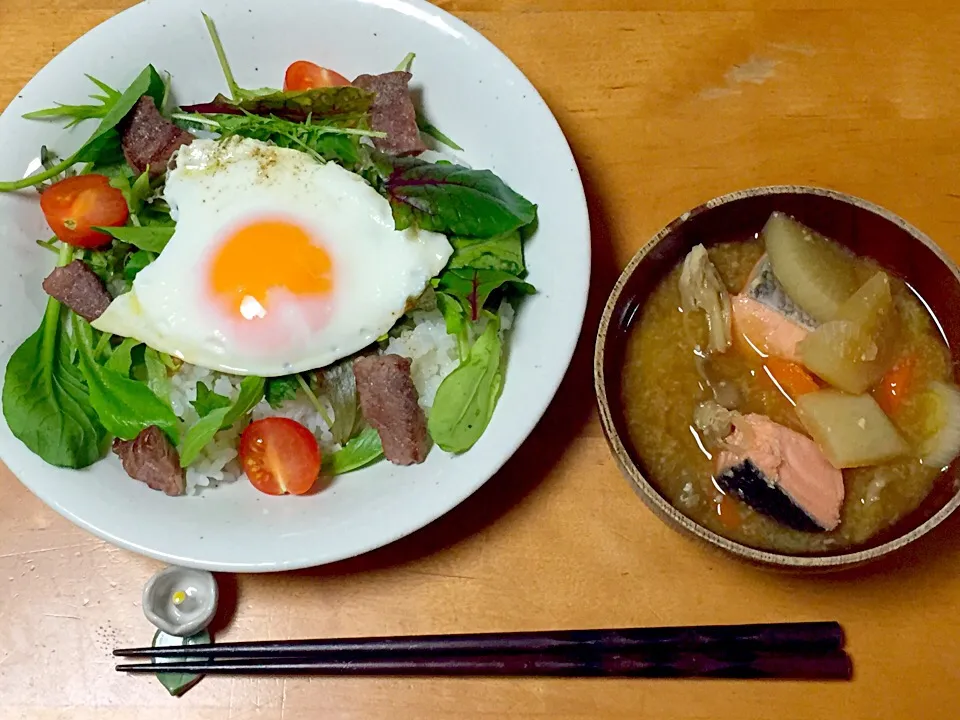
267	255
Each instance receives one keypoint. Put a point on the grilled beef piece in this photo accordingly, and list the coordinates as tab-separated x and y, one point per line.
79	288
152	458
388	401
392	112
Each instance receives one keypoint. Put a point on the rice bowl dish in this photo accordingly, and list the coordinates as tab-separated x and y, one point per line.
503	125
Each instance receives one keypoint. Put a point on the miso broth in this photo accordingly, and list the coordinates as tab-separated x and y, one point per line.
667	375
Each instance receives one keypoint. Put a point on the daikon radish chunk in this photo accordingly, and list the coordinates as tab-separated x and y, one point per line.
817	273
851	430
854	351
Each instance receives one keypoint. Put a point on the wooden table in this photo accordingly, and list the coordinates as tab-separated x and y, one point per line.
665	106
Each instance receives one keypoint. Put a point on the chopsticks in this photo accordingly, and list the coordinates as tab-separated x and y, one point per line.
783	650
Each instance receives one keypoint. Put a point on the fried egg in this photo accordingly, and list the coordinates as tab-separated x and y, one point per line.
278	264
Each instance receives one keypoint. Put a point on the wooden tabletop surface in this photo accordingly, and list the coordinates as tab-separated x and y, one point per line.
666	103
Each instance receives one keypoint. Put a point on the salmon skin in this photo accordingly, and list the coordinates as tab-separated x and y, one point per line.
780	473
763	286
748	483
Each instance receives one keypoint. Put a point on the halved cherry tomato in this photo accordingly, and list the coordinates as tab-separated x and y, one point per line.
304	75
76	205
280	456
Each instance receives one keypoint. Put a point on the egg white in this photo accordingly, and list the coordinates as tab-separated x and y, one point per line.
218	186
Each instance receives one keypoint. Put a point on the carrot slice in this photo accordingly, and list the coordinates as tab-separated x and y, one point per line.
895	385
792	379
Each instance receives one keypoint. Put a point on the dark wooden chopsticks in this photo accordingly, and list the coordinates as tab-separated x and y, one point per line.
784	650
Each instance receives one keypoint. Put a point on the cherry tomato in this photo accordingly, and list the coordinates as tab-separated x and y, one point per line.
304	75
76	205
280	456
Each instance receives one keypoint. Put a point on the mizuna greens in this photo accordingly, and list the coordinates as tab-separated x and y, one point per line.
69	388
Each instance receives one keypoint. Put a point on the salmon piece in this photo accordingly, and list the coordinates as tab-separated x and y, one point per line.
780	473
767	330
763	286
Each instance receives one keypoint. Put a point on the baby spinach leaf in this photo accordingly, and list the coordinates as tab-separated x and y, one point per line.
281	389
472	288
198	436
467	397
151	238
501	252
45	402
104	144
121	359
124	406
454	200
148	82
362	449
207	400
136	262
158	379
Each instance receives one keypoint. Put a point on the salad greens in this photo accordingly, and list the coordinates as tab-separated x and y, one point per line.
454	200
124	406
362	449
325	142
281	389
45	400
198	436
207	400
121	359
70	388
78	113
105	141
150	238
466	398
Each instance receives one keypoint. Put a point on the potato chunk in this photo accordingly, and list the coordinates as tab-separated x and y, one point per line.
817	273
851	430
854	351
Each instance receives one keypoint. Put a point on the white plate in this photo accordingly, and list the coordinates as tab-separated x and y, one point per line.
474	94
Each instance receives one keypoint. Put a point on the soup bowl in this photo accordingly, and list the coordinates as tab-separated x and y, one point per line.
866	229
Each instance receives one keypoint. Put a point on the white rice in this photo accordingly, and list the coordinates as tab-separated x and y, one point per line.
433	354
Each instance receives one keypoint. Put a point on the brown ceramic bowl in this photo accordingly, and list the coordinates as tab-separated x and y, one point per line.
863	227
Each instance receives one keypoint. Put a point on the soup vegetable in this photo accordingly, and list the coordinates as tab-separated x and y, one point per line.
788	394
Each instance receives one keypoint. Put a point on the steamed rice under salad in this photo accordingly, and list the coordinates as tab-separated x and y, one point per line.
427	344
91	381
